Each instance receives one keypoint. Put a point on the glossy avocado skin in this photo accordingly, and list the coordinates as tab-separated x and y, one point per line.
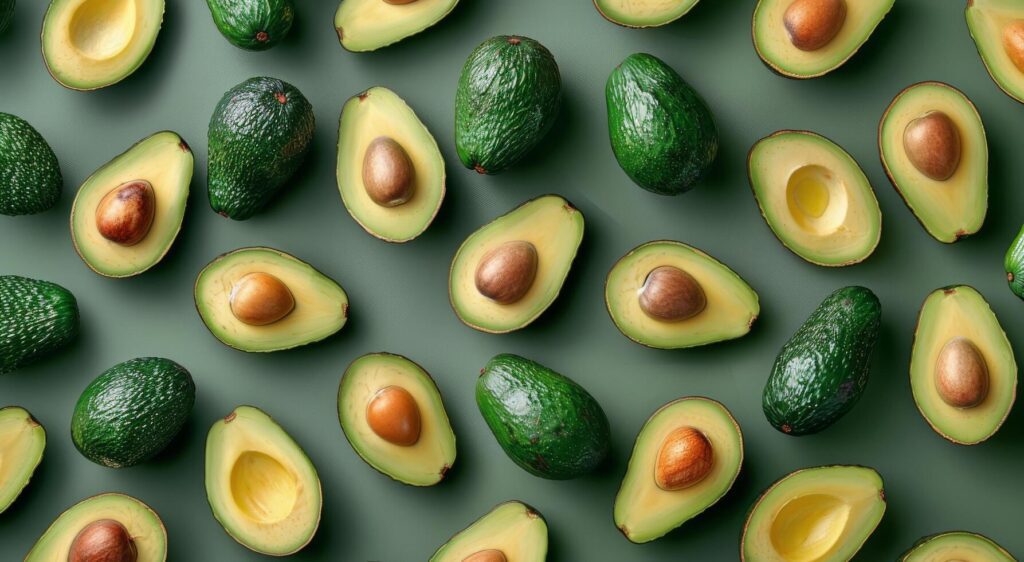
821	372
508	97
254	25
549	425
6	14
259	135
36	319
661	130
30	178
1014	264
132	411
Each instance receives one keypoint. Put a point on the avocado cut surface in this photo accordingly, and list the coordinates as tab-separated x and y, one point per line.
368	25
956	545
643	13
22	442
254	25
997	27
513	529
30	178
36	319
815	198
262	487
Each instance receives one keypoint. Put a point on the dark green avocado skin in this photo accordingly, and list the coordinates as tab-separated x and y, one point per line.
254	25
821	372
259	136
662	132
36	319
1014	263
132	411
6	14
549	425
30	178
507	100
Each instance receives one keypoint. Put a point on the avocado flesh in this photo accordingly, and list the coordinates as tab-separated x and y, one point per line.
815	198
956	545
948	313
773	45
367	25
90	44
321	305
261	486
22	441
644	511
142	523
814	515
986	21
643	13
166	162
514	528
380	112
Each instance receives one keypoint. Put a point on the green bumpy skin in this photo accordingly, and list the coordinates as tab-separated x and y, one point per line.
132	411
6	14
30	179
1014	264
253	25
259	136
549	425
821	372
661	130
36	319
507	100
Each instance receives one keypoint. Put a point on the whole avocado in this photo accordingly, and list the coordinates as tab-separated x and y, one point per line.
30	178
36	319
254	25
1014	264
6	14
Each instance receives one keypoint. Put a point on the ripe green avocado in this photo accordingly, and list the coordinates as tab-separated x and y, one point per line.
822	370
30	178
36	319
6	14
368	25
22	442
643	13
956	545
512	531
254	25
662	132
1013	262
997	27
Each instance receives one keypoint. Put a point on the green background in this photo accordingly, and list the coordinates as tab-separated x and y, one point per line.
398	293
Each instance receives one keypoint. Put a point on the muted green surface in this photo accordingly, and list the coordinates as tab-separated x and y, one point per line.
398	293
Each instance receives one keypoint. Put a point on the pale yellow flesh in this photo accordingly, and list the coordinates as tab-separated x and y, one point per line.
22	441
960	546
986	21
519	533
365	25
644	13
142	524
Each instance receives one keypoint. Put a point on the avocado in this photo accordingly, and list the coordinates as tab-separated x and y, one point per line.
508	98
997	27
37	318
261	300
22	441
512	531
262	487
259	136
662	132
30	178
962	370
546	423
815	198
643	13
91	45
128	213
810	38
934	151
1013	262
6	14
508	272
814	514
392	414
390	171
821	372
686	457
368	25
668	295
956	545
253	25
103	527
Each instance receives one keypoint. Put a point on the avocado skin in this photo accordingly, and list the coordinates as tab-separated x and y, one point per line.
822	370
36	319
132	411
241	21
546	423
30	178
257	142
1014	264
508	97
662	132
6	14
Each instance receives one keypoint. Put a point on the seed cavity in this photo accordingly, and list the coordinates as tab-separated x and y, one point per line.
489	555
125	214
104	540
961	374
813	24
387	173
671	295
932	144
259	299
1013	43
506	273
393	414
684	459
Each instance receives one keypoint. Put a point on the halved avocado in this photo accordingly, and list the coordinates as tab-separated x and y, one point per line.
962	370
816	514
686	457
390	171
508	272
997	27
392	414
262	300
262	487
512	531
643	13
956	545
669	295
119	517
128	213
815	198
933	148
367	25
90	44
22	441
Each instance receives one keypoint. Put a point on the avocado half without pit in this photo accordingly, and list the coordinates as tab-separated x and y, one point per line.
511	532
956	545
22	442
367	25
643	13
997	27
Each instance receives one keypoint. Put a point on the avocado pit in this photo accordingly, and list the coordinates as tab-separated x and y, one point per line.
259	299
387	172
394	416
125	214
671	294
506	273
104	540
684	459
1013	43
932	143
812	24
489	555
961	374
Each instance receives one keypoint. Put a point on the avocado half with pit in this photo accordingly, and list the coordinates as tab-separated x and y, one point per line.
262	300
815	198
261	486
686	457
22	442
104	527
814	515
810	38
507	273
933	149
393	416
962	370
90	44
368	25
956	545
512	531
390	172
643	13
997	27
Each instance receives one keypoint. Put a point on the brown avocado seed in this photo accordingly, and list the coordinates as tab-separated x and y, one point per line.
387	172
685	458
105	540
506	273
961	374
489	555
125	214
671	294
932	143
260	298
812	24
1013	43
394	416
